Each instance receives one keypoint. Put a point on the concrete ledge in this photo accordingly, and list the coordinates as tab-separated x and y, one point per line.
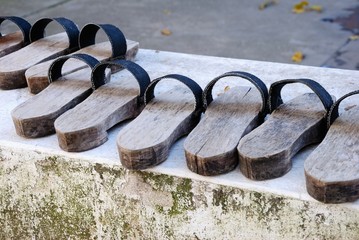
48	193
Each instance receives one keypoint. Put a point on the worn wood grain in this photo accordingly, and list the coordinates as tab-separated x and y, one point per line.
85	126
332	169
37	76
211	148
267	151
36	116
14	65
145	142
11	42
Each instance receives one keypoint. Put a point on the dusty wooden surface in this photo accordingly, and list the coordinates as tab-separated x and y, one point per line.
211	148
146	141
11	42
37	76
14	65
267	151
35	117
84	127
332	170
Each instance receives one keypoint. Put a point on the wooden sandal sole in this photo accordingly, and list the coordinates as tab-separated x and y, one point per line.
266	152
36	117
146	141
211	147
10	43
116	47
14	65
85	126
13	75
37	76
331	170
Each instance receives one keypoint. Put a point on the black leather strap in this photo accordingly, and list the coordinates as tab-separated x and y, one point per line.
55	69
334	110
23	25
115	36
195	88
38	30
275	98
207	93
98	73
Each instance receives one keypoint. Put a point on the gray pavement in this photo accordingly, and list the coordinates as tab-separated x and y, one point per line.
229	28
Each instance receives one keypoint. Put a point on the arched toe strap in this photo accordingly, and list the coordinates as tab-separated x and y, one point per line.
192	85
23	25
55	69
207	93
334	110
143	80
275	98
115	36
38	30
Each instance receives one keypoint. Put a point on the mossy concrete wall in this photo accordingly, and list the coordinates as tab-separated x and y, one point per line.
46	196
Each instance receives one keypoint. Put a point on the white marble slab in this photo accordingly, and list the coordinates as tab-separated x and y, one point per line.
202	69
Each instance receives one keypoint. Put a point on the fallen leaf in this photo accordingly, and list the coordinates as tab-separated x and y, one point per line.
267	3
298	57
166	32
316	8
226	88
303	6
300	7
354	37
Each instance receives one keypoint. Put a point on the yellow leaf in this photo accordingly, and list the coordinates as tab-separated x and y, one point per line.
297	57
304	3
299	10
354	37
303	6
226	88
166	32
267	3
316	8
300	7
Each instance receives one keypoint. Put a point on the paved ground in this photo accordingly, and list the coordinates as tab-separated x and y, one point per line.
228	28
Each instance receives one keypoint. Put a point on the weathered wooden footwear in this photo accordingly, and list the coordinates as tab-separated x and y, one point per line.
266	152
332	169
146	141
36	116
211	148
41	48
85	126
13	41
117	47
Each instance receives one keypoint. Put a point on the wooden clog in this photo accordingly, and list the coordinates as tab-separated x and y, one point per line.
332	169
85	126
36	116
41	48
117	47
146	141
211	148
13	41
266	152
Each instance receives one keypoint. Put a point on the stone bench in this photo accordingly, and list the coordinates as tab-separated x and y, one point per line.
49	193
